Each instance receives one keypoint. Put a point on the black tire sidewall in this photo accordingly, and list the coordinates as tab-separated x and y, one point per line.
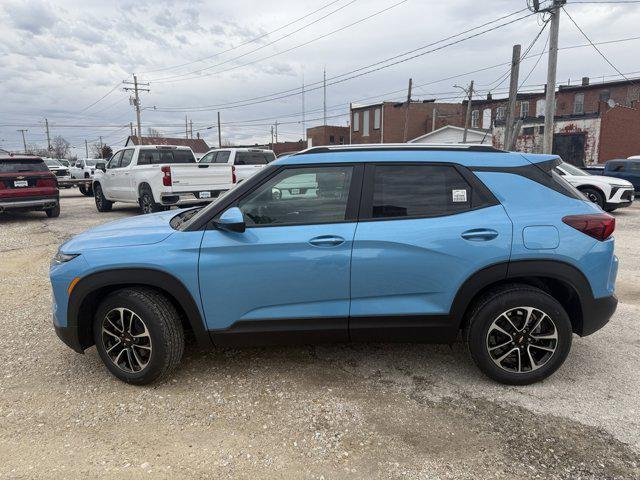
502	302
156	363
598	195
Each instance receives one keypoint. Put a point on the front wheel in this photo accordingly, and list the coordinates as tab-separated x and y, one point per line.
518	334
138	334
102	204
86	190
594	196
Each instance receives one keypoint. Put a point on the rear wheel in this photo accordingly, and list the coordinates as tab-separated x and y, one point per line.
138	334
594	196
102	204
53	212
518	334
86	190
147	203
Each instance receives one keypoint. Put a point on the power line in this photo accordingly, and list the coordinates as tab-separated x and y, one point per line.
252	40
348	75
596	48
195	72
100	99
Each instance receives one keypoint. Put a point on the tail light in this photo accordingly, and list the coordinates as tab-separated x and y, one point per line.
48	182
599	225
166	178
234	179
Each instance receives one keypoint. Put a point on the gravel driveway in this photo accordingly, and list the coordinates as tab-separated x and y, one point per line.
343	411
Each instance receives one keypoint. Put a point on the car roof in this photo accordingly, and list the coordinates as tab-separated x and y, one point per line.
470	155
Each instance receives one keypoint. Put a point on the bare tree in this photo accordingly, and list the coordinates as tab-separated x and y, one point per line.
59	147
36	150
153	132
101	151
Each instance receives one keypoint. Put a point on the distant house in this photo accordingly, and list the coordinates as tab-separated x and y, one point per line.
452	134
198	145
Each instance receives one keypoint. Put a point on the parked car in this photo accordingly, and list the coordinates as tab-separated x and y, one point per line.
626	169
244	161
64	162
84	168
158	177
409	243
26	183
56	167
607	192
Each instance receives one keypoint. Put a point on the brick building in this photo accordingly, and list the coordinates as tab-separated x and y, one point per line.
594	122
327	135
384	122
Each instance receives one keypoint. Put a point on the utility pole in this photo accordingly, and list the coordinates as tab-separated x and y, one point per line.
406	113
219	132
509	129
276	131
101	145
24	141
324	103
191	128
304	123
271	137
186	127
46	124
550	101
136	100
434	116
131	128
467	118
86	148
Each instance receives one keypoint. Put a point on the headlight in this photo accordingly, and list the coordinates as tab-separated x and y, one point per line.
62	258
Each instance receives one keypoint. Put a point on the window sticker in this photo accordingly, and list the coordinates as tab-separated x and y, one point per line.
459	196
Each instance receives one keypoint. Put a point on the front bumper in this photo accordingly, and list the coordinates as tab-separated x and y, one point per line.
39	203
597	314
69	335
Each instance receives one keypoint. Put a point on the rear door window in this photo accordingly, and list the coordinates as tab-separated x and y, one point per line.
418	191
23	165
253	158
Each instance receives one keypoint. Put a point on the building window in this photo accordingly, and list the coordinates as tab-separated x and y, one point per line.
332	139
475	116
376	119
578	104
524	109
486	118
341	140
527	131
365	123
541	106
501	113
356	121
541	129
605	95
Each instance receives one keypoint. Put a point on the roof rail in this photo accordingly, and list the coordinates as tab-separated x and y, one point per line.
467	147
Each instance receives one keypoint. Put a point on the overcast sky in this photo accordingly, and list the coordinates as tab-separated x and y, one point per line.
59	57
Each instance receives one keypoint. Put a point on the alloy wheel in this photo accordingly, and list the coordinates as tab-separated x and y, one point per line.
126	340
522	339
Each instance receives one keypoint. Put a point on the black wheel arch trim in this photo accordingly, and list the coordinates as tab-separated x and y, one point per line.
594	314
163	281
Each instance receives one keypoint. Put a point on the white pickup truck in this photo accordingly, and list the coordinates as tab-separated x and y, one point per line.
83	168
244	161
157	177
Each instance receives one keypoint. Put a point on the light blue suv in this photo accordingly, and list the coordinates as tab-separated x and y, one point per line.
351	243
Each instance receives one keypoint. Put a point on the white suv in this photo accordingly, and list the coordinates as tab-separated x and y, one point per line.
608	192
244	161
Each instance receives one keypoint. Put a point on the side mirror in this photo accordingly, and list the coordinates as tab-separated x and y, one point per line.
101	166
232	220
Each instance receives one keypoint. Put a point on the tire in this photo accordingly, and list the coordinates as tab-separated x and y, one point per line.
509	356
53	212
594	196
86	191
610	209
154	343
102	204
147	203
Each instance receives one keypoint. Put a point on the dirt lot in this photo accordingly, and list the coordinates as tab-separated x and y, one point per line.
345	411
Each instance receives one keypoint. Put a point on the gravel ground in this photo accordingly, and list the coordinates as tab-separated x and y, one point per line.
343	411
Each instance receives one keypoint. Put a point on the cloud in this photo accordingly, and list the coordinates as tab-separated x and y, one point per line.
33	16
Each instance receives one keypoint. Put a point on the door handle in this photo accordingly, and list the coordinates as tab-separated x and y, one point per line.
326	241
479	234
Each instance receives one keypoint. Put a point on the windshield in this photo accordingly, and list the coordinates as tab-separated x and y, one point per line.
52	162
572	170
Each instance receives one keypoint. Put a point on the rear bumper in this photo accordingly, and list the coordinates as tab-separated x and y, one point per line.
37	203
190	198
597	314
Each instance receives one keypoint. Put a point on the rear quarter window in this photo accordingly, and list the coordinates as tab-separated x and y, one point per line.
153	156
254	158
23	165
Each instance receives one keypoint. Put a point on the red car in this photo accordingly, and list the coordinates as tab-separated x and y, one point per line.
26	183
